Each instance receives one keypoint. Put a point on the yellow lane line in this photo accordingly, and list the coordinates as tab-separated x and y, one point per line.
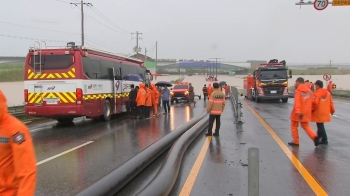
192	176
315	186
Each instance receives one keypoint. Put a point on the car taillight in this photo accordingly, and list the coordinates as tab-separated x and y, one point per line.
79	94
26	96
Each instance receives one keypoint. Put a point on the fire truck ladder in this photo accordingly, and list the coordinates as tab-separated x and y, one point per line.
37	51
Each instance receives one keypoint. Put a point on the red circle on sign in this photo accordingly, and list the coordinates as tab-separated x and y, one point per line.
319	9
327	76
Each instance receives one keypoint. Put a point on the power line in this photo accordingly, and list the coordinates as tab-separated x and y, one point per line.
38	28
25	26
30	38
104	24
94	9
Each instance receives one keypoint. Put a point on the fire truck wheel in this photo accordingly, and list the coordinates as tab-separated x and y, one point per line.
285	100
107	111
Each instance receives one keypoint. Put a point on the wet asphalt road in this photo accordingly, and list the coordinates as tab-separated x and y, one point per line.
106	146
223	171
327	164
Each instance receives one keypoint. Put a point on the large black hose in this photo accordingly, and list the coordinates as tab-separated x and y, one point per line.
163	182
118	178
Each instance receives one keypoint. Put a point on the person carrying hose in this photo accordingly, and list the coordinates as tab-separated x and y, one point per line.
17	156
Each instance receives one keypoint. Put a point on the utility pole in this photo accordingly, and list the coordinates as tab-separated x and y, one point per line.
145	53
156	57
136	49
216	64
330	63
82	18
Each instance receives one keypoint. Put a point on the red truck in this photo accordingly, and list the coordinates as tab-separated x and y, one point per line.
268	82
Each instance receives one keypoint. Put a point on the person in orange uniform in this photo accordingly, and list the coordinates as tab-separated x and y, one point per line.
155	99
141	100
215	108
210	90
17	156
301	112
322	109
329	86
148	103
227	90
308	84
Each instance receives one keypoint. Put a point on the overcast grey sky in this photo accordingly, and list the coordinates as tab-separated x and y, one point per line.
186	29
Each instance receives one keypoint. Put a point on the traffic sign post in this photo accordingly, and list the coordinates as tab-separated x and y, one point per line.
327	76
320	4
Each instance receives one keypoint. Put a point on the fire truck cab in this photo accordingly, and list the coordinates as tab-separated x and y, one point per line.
268	82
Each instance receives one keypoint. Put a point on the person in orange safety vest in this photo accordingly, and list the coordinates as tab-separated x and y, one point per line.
155	99
210	90
215	108
322	109
149	101
329	86
308	84
227	90
17	156
301	112
141	100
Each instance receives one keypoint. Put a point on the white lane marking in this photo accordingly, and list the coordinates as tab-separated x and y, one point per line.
63	153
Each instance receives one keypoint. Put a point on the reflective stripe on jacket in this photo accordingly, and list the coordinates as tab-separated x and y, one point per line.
216	103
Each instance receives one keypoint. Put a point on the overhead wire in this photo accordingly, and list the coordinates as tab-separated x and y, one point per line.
30	38
94	9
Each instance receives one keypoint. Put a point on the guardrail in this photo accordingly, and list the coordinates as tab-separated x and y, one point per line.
16	110
335	92
237	105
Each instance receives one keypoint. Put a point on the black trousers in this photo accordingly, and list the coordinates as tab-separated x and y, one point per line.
166	106
147	111
133	108
213	117
321	131
141	111
205	96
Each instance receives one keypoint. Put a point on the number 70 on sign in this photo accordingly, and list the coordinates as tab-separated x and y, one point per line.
320	4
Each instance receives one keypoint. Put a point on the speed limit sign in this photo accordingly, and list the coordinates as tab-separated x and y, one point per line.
320	4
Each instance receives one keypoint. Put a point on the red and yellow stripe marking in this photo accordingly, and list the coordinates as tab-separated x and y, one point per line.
62	75
69	97
65	97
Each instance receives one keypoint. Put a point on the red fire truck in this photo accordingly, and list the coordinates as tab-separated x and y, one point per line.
268	82
74	81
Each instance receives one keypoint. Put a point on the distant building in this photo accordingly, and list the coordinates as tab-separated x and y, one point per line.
142	57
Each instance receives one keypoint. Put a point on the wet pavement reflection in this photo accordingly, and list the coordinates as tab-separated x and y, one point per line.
113	143
327	163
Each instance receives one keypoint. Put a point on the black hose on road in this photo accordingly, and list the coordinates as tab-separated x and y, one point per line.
163	182
118	178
